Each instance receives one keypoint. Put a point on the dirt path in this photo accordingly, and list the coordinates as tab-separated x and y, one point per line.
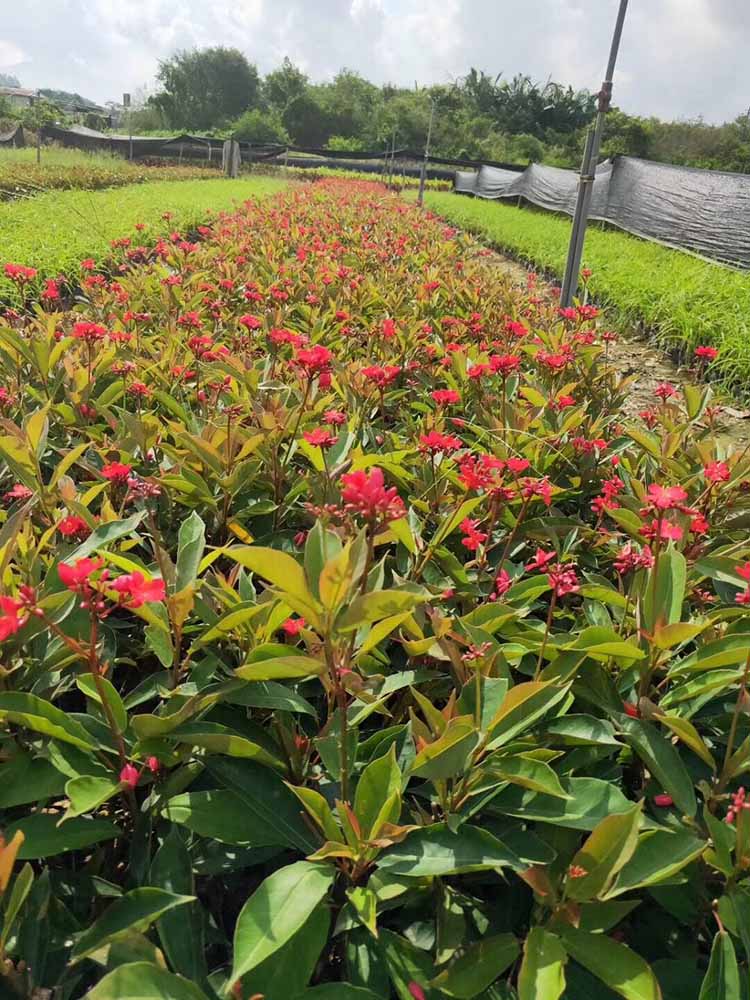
634	355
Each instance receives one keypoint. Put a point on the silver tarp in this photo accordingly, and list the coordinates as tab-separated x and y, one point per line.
704	211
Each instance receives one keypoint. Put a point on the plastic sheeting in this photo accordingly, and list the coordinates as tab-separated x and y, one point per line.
14	138
704	211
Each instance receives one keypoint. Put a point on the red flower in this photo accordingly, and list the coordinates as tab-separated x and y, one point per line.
313	360
665	391
540	560
366	494
77	576
89	332
88	264
117	472
707	353
19	273
663	801
563	579
334	417
416	990
504	364
435	442
443	397
717	472
537	488
473	537
250	322
18	492
665	530
74	527
665	497
129	776
153	764
293	626
631	710
136	590
382	377
12	617
51	291
503	583
517	465
630	559
320	437
577	871
743	571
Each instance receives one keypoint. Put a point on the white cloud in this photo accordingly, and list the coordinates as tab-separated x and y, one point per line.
679	58
11	55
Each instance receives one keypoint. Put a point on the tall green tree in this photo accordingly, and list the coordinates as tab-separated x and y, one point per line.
205	88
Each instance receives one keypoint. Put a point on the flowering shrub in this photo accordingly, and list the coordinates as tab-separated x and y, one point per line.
354	643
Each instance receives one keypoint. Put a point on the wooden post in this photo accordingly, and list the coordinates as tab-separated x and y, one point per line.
230	158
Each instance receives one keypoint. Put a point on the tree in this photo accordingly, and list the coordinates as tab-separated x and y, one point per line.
205	88
260	127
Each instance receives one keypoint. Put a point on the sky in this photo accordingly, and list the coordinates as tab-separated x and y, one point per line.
679	58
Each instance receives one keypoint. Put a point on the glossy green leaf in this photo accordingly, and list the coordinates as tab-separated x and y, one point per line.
663	761
220	739
191	541
95	689
478	966
522	706
528	773
144	981
276	911
219	814
135	911
32	712
180	929
87	793
659	855
542	974
44	838
377	783
722	979
281	668
604	853
435	850
591	800
615	964
105	534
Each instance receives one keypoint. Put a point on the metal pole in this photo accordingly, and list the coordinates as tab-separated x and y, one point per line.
588	170
423	172
130	133
393	156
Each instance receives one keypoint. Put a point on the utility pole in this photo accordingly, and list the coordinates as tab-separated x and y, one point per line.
393	156
126	105
423	172
588	170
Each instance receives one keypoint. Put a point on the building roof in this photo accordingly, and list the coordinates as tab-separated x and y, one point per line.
17	92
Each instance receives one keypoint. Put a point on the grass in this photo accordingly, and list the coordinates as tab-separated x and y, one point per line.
73	169
55	231
681	300
400	181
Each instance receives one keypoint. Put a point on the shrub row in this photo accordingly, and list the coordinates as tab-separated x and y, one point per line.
682	300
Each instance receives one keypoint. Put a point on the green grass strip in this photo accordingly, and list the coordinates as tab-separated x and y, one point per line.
55	231
682	300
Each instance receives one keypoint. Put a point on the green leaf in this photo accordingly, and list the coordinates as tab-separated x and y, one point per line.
87	793
88	685
522	706
144	981
378	782
448	755
479	965
276	911
407	964
337	991
722	979
659	855
180	930
15	899
729	651
281	668
689	735
105	534
591	800
135	911
320	812
615	964
219	814
662	604
528	773
278	568
608	849
28	779
43	717
269	694
221	739
663	761
542	975
287	972
191	541
450	523
582	730
434	850
270	809
378	604
321	545
43	838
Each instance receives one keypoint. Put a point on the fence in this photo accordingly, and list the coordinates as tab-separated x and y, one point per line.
706	212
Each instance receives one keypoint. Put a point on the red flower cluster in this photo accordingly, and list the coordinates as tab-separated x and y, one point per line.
366	494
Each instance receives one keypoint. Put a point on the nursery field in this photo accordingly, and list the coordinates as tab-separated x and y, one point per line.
55	231
70	169
357	643
682	300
